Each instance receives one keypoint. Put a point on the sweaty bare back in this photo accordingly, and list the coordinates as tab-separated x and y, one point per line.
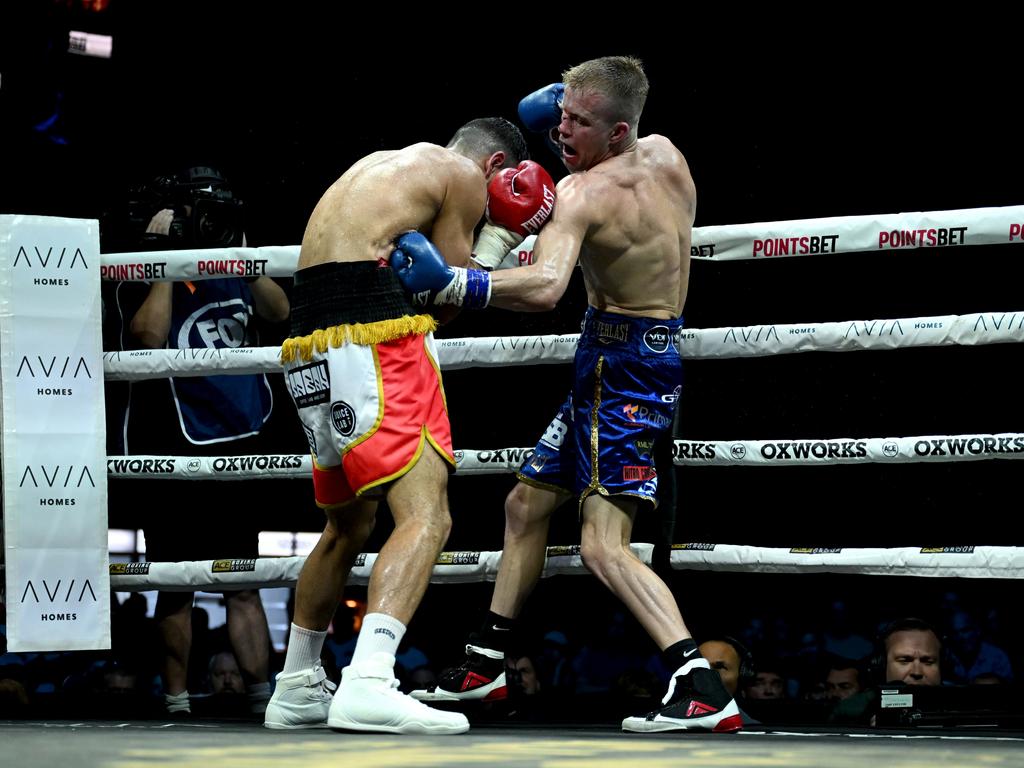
636	253
422	187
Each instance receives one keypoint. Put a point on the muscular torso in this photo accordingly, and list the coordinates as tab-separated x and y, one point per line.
636	252
388	193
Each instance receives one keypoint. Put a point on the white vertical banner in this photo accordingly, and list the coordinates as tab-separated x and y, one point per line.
54	442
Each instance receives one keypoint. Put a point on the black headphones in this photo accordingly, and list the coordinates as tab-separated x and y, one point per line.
877	662
746	671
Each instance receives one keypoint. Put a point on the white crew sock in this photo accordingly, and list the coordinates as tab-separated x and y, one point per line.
380	633
304	646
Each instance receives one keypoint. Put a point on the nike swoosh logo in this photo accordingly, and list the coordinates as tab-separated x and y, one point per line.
689	653
500	629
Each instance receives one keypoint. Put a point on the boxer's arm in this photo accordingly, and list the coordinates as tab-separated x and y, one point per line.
538	286
463	206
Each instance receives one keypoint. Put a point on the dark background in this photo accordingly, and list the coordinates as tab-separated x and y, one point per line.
776	122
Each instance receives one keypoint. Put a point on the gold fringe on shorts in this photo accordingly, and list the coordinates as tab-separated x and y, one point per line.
302	347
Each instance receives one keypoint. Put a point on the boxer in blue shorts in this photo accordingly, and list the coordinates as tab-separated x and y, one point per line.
625	212
628	380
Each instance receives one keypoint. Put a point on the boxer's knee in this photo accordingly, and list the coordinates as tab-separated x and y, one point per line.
350	523
527	507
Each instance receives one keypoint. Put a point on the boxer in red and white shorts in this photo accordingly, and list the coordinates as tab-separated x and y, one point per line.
368	391
362	370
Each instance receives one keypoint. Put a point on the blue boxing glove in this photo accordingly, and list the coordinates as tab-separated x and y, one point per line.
541	112
423	272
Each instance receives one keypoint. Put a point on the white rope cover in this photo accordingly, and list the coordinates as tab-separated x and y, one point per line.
466	567
718	343
961	562
802	237
859	234
450	568
692	453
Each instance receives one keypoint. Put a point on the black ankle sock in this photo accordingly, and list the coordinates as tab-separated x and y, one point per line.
678	654
496	631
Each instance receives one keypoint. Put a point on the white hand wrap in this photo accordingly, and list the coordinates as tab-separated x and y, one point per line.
493	245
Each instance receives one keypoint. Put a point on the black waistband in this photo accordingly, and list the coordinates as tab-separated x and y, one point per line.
336	293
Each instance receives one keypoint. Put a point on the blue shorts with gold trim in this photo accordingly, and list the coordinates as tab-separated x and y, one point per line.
627	383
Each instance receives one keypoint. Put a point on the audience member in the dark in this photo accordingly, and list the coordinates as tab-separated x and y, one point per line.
224	676
735	665
611	652
843	680
910	652
840	638
766	695
526	675
555	663
226	687
768	683
972	655
115	691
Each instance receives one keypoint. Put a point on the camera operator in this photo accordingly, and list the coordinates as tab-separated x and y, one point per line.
212	415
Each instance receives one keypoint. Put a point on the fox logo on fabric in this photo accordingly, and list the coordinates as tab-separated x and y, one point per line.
343	418
657	338
218	325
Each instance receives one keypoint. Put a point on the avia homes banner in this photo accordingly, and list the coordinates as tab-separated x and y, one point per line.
54	453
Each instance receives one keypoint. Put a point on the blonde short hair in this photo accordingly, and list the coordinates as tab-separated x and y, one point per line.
619	78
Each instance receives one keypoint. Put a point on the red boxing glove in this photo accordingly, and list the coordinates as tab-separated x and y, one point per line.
521	199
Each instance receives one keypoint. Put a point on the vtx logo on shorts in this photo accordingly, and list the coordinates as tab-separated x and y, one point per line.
343	418
657	338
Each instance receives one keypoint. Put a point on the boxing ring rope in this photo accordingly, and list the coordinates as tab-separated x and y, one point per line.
692	453
853	234
801	237
470	567
694	344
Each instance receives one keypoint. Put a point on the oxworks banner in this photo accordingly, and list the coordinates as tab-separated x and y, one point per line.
54	471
